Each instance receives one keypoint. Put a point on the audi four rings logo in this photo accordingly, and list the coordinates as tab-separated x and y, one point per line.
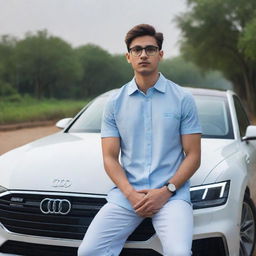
55	206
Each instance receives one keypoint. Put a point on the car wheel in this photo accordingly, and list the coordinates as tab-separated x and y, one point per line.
247	227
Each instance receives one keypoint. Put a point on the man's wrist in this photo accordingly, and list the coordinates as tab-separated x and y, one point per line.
128	192
167	191
171	188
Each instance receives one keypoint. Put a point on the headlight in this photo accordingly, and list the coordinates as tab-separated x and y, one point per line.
2	189
210	195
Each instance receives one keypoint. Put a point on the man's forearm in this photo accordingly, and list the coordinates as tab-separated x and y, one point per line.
186	170
117	175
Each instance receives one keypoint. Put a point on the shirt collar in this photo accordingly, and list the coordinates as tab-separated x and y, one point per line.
132	87
160	85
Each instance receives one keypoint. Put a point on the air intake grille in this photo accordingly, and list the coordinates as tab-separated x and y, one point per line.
28	249
203	247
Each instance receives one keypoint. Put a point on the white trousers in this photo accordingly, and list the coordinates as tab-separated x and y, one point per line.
113	224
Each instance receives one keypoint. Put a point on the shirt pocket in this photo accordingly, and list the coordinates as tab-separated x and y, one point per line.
171	122
171	115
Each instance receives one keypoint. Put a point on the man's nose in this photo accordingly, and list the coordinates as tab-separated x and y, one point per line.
143	54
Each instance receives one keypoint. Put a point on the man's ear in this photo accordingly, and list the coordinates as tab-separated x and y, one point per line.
127	55
161	53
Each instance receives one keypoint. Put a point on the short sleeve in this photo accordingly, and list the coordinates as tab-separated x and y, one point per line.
108	124
189	118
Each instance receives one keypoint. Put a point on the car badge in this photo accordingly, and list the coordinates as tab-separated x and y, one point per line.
61	183
55	206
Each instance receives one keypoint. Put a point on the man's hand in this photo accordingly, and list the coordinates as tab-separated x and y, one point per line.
134	197
152	202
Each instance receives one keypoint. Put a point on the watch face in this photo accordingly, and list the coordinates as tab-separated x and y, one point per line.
171	187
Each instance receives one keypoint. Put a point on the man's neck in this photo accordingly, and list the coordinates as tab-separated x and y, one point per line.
144	82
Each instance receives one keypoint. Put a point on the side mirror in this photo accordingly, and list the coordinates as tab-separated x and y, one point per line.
63	122
250	133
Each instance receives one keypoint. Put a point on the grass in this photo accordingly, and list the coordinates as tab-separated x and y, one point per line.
28	109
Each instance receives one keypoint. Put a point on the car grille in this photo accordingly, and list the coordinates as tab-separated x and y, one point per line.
20	213
29	249
202	247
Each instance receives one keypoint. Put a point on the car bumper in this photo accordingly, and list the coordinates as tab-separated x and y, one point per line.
212	226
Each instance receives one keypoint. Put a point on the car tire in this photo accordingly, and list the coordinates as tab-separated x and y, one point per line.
247	227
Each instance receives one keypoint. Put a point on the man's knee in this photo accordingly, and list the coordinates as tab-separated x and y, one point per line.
85	251
81	251
177	251
89	248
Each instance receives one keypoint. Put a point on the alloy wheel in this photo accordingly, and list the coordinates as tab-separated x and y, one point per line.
247	229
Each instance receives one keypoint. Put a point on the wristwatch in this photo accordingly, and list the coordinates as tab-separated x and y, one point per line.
171	187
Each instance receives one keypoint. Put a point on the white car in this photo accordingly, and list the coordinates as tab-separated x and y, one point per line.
51	189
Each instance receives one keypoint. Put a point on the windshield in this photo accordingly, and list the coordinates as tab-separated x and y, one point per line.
214	117
213	114
90	119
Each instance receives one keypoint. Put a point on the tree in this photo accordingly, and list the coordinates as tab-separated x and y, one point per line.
123	68
7	66
218	34
188	74
101	71
46	65
248	40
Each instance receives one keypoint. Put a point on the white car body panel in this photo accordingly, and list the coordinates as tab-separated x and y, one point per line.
59	149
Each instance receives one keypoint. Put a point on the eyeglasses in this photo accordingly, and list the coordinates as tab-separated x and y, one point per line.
150	50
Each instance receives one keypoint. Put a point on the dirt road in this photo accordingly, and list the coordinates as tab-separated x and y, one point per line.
16	138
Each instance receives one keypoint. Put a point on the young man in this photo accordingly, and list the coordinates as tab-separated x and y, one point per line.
154	123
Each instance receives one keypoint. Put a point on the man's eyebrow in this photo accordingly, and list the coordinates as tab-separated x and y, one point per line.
144	46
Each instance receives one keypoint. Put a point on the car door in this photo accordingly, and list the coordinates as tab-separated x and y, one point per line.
247	147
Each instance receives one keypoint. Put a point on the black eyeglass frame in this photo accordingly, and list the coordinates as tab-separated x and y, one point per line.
143	48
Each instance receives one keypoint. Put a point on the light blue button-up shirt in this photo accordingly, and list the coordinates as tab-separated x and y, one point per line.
150	127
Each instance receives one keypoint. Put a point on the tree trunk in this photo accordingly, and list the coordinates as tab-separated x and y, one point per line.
250	89
39	88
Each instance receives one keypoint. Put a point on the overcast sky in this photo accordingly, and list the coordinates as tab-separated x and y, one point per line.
102	22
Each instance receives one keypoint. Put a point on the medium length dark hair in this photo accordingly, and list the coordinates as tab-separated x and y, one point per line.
143	30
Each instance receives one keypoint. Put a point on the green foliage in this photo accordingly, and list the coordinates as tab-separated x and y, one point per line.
101	71
6	89
218	35
247	41
46	65
188	74
42	65
30	109
96	67
123	68
7	63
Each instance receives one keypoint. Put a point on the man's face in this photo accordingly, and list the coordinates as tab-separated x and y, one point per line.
146	62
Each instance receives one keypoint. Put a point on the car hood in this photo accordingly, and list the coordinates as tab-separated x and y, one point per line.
213	152
59	162
66	162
